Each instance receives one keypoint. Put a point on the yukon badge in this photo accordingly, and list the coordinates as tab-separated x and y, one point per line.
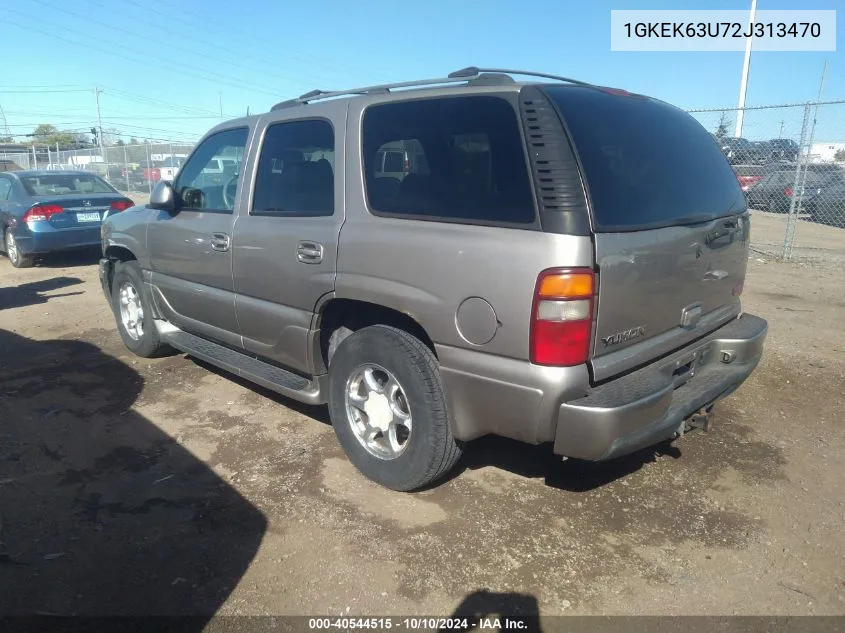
622	337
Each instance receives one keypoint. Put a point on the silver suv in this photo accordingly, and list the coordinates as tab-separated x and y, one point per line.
551	262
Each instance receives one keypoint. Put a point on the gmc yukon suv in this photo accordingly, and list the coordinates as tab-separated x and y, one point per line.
558	263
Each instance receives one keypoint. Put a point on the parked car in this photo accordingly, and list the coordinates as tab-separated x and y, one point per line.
775	191
784	148
741	151
169	167
47	211
6	164
583	293
747	175
827	204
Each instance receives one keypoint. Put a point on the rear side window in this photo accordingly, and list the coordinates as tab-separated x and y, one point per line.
457	159
647	164
296	170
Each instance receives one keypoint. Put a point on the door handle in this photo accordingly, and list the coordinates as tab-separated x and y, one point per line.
716	275
309	252
220	242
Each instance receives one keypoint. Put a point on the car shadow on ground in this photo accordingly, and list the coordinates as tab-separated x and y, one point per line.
101	512
32	293
526	460
538	461
70	259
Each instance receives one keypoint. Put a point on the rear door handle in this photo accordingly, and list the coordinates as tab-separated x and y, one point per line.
220	242
715	275
309	252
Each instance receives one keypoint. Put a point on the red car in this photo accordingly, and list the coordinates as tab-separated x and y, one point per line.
747	175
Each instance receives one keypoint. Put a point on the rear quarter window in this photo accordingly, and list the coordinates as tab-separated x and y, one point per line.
646	164
457	159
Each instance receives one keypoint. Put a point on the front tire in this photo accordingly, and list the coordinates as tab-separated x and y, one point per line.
133	312
388	409
16	258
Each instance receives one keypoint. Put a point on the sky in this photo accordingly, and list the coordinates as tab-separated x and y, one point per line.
165	66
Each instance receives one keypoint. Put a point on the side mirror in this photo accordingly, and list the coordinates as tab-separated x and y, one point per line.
163	196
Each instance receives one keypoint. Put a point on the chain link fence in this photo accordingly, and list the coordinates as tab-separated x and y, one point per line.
790	161
129	168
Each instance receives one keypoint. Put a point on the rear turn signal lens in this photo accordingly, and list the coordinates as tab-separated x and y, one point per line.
121	205
41	212
565	284
562	317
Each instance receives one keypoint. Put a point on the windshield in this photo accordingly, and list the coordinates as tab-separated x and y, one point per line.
58	184
647	164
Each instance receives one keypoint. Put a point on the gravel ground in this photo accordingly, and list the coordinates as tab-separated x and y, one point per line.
166	486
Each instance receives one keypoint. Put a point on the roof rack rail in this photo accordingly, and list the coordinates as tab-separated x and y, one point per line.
316	95
474	71
471	75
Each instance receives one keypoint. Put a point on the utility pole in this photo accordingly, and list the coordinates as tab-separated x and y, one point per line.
780	134
746	65
97	92
220	94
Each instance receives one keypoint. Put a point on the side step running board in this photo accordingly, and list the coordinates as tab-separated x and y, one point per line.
274	378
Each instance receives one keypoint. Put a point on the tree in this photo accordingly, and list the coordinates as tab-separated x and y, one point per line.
839	155
722	130
7	139
51	136
133	141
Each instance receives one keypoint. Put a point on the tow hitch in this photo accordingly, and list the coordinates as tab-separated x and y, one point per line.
701	419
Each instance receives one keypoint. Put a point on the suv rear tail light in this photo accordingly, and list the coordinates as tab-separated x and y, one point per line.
41	212
788	192
121	205
562	317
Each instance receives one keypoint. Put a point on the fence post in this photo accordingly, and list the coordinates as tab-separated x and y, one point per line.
149	171
126	169
789	236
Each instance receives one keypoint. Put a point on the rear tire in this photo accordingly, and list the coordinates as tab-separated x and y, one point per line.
16	258
388	409
133	311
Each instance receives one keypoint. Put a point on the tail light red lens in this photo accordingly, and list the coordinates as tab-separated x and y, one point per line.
562	317
788	192
121	205
41	212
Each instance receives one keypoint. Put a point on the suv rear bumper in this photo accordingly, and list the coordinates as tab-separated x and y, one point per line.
651	404
531	403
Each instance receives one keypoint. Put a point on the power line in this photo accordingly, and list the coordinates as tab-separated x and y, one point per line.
226	30
170	44
211	45
195	74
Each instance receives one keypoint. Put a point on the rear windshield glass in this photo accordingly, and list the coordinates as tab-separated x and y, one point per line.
647	164
57	184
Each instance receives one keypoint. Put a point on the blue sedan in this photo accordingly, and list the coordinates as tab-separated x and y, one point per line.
49	211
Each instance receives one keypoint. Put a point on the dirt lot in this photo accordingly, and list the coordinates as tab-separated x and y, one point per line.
134	486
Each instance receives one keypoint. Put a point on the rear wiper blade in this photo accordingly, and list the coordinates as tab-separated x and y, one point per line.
695	218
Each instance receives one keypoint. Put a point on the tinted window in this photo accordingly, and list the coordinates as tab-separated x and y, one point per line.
201	183
58	184
5	188
462	160
296	170
647	164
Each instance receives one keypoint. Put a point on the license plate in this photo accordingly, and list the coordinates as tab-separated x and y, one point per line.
88	217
